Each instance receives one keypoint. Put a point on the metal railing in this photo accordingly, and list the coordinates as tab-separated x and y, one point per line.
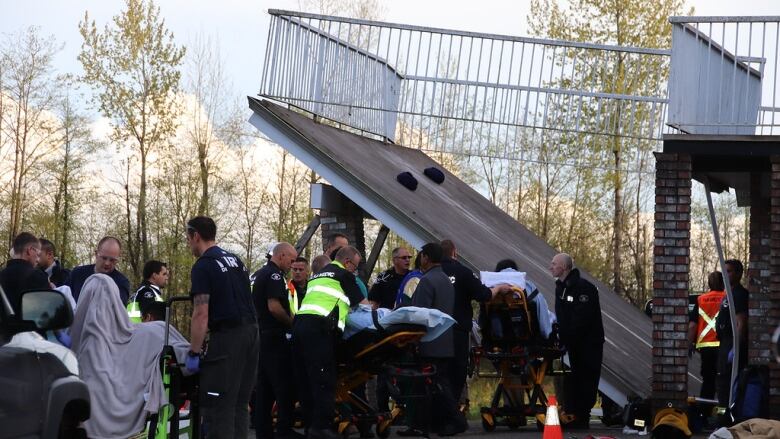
724	75
465	92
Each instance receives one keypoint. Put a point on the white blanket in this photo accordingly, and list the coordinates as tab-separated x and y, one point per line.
118	360
436	321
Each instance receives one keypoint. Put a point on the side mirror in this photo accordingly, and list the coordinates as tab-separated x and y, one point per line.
47	309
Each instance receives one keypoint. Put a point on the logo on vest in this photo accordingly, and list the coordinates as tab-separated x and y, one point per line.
276	276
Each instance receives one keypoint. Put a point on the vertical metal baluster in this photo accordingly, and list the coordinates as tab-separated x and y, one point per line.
774	82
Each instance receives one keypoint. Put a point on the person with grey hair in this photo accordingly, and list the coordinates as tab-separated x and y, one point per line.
582	333
319	262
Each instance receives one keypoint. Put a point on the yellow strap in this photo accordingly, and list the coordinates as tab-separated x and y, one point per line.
710	321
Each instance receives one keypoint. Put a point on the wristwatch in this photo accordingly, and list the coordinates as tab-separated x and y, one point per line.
193	354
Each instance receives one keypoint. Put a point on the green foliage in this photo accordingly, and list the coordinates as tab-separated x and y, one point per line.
133	65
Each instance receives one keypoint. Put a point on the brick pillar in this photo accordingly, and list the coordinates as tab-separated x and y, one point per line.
349	221
758	275
671	264
765	306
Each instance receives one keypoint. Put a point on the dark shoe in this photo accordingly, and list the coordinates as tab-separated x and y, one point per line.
316	433
410	432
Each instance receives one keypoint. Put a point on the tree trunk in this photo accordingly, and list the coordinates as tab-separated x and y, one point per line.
617	238
142	224
131	243
203	206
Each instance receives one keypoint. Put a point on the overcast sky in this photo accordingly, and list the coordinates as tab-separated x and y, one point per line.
241	25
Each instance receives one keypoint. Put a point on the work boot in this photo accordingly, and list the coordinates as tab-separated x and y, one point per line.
316	433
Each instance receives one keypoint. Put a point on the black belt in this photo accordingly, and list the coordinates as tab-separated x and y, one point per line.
232	323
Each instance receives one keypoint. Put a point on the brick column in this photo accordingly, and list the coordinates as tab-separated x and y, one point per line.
765	305
671	264
349	221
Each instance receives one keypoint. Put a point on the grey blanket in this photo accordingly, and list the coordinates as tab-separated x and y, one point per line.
118	360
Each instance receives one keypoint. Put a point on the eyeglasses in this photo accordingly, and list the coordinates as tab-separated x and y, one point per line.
403	257
110	259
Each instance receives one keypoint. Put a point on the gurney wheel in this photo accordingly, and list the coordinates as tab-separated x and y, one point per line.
488	422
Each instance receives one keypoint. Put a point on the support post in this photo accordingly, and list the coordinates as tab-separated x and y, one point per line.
311	229
376	249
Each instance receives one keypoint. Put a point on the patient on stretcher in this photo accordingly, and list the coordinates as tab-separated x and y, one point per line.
119	360
362	318
519	317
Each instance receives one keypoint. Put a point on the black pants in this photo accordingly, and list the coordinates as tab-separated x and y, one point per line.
580	386
227	376
444	405
275	381
459	366
724	383
709	371
314	354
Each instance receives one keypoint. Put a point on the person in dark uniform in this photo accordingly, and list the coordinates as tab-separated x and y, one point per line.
436	291
155	279
734	270
467	288
382	295
20	273
582	333
51	265
271	297
384	291
222	306
318	325
299	276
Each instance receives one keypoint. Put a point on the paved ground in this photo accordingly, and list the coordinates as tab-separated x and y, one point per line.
475	431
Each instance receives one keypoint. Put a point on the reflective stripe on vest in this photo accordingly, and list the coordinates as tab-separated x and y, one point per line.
292	298
134	308
323	294
709	307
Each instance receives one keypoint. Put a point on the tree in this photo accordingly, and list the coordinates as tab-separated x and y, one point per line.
133	65
206	82
28	90
635	23
67	171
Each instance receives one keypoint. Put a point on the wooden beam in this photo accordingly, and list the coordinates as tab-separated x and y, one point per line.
311	229
368	268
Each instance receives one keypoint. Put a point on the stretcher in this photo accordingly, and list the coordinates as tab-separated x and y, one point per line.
520	359
363	356
179	391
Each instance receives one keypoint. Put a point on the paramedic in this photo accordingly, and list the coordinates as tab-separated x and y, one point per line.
582	333
318	325
222	304
274	315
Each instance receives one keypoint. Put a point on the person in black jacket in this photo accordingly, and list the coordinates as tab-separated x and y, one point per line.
467	287
20	273
582	333
51	265
436	291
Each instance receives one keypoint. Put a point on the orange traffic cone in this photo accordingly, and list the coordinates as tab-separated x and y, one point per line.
552	426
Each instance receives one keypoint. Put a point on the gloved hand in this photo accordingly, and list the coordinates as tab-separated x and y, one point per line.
731	355
63	337
192	363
